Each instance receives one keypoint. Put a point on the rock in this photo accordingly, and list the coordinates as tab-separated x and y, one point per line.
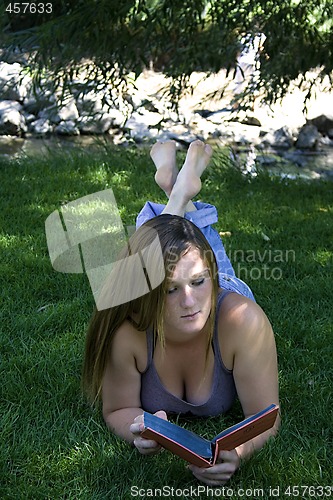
323	123
149	118
137	130
14	85
68	111
218	117
98	124
251	120
118	137
38	99
243	134
205	128
146	114
89	104
29	117
141	123
92	107
204	113
308	137
50	114
12	121
223	115
67	127
117	117
149	106
280	139
184	139
41	127
325	141
14	55
60	112
10	105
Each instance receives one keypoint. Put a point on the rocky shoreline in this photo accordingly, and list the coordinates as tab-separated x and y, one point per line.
146	115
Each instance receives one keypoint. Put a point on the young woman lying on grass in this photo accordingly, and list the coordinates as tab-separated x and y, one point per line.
193	343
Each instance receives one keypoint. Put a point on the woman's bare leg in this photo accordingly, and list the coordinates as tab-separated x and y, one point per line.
188	182
163	155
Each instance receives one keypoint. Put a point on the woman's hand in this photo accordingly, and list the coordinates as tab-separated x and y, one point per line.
227	464
143	445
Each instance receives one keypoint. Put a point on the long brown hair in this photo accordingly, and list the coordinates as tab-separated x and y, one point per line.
176	236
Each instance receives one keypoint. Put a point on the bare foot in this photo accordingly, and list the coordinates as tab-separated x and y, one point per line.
197	158
188	182
163	155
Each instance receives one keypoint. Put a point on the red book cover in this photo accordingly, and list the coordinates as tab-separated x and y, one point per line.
200	451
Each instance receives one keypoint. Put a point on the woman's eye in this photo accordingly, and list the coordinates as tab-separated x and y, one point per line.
198	282
171	290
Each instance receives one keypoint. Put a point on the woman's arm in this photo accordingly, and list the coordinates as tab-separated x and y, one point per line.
248	347
255	369
122	410
121	387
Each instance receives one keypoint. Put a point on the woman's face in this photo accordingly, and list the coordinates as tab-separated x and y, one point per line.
188	298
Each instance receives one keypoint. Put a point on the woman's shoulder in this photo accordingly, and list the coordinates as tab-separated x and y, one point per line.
128	341
238	310
241	323
240	319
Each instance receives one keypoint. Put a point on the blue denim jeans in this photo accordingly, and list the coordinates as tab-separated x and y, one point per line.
203	217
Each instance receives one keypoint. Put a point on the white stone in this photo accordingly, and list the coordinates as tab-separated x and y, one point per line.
98	124
38	99
140	124
60	112
67	127
42	126
12	121
308	137
14	84
88	104
68	111
7	105
50	114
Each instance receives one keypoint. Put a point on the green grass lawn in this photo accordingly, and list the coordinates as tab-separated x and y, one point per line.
54	445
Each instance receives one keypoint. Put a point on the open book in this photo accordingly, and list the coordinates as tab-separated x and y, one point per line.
198	450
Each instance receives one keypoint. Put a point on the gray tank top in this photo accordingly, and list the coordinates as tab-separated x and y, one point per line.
155	397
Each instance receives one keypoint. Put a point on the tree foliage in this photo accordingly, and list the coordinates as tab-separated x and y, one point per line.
112	39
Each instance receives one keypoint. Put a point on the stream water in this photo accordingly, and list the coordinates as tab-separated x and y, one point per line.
292	164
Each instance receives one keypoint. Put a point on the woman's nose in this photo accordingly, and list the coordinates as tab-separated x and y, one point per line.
187	299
